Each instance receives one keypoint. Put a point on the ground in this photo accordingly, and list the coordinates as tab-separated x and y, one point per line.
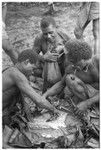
23	24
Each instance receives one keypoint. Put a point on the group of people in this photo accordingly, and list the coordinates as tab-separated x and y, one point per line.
77	59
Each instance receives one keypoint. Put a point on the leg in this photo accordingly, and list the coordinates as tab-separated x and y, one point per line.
79	30
10	51
96	36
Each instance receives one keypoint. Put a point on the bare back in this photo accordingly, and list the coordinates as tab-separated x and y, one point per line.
8	86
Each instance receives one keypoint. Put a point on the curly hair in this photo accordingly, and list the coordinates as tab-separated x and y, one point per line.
28	54
78	50
46	21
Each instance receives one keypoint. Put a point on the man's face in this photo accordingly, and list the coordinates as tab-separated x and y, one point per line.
28	67
49	33
82	64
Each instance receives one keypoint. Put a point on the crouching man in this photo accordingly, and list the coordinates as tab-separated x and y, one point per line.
15	80
82	65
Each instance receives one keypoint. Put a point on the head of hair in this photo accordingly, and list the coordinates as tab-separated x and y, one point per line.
78	50
28	55
46	21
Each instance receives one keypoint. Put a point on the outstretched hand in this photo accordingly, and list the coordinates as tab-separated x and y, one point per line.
54	115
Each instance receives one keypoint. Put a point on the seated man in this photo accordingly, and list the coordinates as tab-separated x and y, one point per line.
15	81
50	36
84	66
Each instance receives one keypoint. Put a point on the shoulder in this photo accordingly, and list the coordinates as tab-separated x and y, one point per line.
38	38
17	75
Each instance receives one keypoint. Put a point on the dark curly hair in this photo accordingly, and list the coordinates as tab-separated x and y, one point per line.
46	21
28	54
78	50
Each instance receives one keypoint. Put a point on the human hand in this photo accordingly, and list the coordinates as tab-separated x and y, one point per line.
83	106
51	57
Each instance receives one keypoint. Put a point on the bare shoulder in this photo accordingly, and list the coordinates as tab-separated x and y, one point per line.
17	75
38	37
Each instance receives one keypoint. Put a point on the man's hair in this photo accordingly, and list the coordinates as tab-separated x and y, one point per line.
78	50
46	21
28	54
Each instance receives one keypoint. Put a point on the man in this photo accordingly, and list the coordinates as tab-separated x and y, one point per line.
14	81
84	66
6	45
89	11
50	36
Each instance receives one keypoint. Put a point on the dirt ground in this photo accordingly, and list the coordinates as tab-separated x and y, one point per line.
23	24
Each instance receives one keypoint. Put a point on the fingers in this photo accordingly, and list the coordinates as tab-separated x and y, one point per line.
60	55
52	54
53	58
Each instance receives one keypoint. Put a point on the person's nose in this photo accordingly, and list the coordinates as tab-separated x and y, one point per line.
48	35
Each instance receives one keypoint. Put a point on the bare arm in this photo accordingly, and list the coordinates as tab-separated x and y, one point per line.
55	89
93	100
37	48
9	49
23	84
86	104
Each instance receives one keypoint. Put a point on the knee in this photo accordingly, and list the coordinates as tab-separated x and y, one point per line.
78	33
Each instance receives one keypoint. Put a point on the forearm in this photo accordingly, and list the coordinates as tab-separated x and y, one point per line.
54	90
93	100
36	98
41	102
